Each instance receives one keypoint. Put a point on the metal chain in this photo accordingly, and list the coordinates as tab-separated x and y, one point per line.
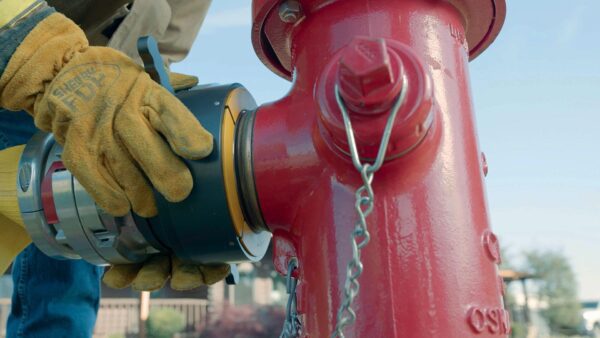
364	204
365	198
292	327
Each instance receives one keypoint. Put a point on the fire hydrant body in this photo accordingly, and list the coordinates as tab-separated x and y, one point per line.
430	268
379	123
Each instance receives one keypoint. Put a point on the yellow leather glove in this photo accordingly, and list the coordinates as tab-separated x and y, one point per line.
154	273
182	81
114	123
150	275
118	128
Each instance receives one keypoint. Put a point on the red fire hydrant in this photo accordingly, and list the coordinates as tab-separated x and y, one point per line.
430	266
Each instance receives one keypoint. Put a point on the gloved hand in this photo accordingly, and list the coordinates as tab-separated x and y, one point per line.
116	125
154	273
182	81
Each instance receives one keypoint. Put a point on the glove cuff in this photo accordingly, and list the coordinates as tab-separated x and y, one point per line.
37	60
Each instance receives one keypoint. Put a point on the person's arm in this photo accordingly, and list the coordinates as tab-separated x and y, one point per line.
106	112
187	17
173	23
17	19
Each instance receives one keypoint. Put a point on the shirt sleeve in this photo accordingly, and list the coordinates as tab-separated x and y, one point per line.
187	17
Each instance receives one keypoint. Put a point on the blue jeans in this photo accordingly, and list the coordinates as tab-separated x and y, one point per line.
51	297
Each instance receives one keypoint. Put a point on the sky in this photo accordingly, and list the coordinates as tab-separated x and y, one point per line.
536	93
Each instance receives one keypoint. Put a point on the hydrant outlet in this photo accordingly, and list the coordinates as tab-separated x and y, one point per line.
372	75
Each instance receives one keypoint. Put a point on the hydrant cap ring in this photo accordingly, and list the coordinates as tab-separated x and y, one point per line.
484	21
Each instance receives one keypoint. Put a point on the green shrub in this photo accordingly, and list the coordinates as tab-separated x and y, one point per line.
518	330
164	323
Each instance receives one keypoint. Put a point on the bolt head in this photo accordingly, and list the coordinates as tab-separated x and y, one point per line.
365	68
290	11
484	164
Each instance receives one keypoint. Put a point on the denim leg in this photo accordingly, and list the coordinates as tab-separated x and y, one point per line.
51	298
15	128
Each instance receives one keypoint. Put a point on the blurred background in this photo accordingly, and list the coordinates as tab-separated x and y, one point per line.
537	98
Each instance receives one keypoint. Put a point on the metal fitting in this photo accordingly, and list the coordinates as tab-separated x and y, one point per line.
244	168
369	75
290	11
61	217
210	226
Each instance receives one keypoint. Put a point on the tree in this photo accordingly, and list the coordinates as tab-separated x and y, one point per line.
557	288
518	316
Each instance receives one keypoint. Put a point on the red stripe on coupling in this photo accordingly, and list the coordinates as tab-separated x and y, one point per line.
47	196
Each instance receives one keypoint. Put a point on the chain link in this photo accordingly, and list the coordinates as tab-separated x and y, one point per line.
292	327
359	239
365	198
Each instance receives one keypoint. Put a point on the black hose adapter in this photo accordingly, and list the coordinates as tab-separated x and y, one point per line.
219	222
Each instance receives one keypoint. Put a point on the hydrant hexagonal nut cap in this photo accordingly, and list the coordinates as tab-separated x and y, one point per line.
372	75
367	74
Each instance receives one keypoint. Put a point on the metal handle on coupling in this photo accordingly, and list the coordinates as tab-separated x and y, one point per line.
153	62
47	195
